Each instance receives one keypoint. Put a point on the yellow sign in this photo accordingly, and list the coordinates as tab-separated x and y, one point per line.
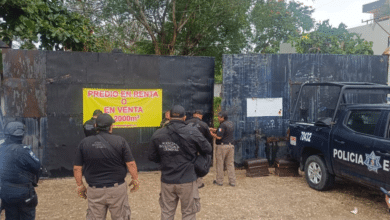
129	107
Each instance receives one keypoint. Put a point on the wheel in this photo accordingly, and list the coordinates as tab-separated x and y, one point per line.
317	175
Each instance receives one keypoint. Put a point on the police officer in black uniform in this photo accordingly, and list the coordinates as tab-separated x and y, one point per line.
196	121
174	146
89	126
19	175
103	159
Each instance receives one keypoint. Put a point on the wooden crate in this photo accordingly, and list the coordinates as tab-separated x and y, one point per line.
257	167
286	167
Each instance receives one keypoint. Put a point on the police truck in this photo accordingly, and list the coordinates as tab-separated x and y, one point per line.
342	129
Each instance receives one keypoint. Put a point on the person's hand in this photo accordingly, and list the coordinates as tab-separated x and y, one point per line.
213	129
135	184
82	191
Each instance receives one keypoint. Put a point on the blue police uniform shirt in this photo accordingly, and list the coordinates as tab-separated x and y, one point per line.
19	169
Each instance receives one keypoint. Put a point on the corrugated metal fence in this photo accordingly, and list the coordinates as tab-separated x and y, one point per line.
44	90
260	76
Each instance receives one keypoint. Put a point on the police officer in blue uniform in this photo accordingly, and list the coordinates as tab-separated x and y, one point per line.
19	173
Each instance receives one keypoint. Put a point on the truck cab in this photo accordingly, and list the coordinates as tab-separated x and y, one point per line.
345	134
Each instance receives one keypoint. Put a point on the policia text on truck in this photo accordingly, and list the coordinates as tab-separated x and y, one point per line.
342	130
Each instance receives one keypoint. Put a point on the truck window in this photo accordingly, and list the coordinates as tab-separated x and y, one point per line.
363	121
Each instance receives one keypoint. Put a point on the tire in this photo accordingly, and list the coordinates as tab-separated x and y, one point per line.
317	174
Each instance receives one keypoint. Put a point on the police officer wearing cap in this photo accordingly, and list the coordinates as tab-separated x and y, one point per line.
89	126
196	121
19	174
103	159
173	147
224	149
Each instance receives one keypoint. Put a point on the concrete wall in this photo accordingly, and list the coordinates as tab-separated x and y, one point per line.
373	32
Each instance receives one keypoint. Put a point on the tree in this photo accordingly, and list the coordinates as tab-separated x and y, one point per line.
112	22
180	27
274	22
47	22
330	40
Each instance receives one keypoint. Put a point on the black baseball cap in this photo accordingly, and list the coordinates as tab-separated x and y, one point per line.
177	111
14	128
104	120
222	114
198	111
97	112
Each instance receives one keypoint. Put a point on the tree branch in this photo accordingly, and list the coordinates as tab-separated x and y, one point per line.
142	19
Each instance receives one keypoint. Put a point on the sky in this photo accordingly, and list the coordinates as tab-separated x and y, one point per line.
347	11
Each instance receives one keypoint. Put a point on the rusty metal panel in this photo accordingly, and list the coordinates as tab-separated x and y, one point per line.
24	64
24	98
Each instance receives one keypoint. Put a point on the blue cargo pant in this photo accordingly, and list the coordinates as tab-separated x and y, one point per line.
19	208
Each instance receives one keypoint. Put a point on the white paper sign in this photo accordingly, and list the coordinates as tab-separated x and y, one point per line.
259	107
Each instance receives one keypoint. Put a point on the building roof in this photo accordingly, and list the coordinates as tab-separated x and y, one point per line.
371	7
3	45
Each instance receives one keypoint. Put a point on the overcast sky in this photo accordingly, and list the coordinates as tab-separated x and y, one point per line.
347	11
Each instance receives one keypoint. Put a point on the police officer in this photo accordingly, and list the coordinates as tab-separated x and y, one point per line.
165	121
19	174
224	149
174	146
196	121
89	126
103	159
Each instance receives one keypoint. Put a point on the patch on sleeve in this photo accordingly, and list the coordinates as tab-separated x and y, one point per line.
28	147
33	156
219	129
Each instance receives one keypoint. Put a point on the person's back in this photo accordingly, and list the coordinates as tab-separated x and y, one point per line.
176	167
202	127
103	159
101	164
19	175
197	122
174	147
89	126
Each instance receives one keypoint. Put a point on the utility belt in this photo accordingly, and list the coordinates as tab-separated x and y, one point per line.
225	144
18	185
107	185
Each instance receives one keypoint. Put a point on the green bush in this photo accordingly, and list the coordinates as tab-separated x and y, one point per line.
217	109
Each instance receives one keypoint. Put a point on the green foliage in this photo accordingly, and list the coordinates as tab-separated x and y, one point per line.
217	109
274	22
46	21
330	40
112	24
192	28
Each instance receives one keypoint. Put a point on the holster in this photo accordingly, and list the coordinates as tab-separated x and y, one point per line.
32	201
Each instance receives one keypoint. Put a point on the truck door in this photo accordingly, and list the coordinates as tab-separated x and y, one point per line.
352	146
382	149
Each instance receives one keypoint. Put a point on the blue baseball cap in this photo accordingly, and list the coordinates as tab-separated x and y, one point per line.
14	128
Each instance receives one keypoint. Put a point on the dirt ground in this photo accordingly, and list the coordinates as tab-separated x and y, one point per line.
268	197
